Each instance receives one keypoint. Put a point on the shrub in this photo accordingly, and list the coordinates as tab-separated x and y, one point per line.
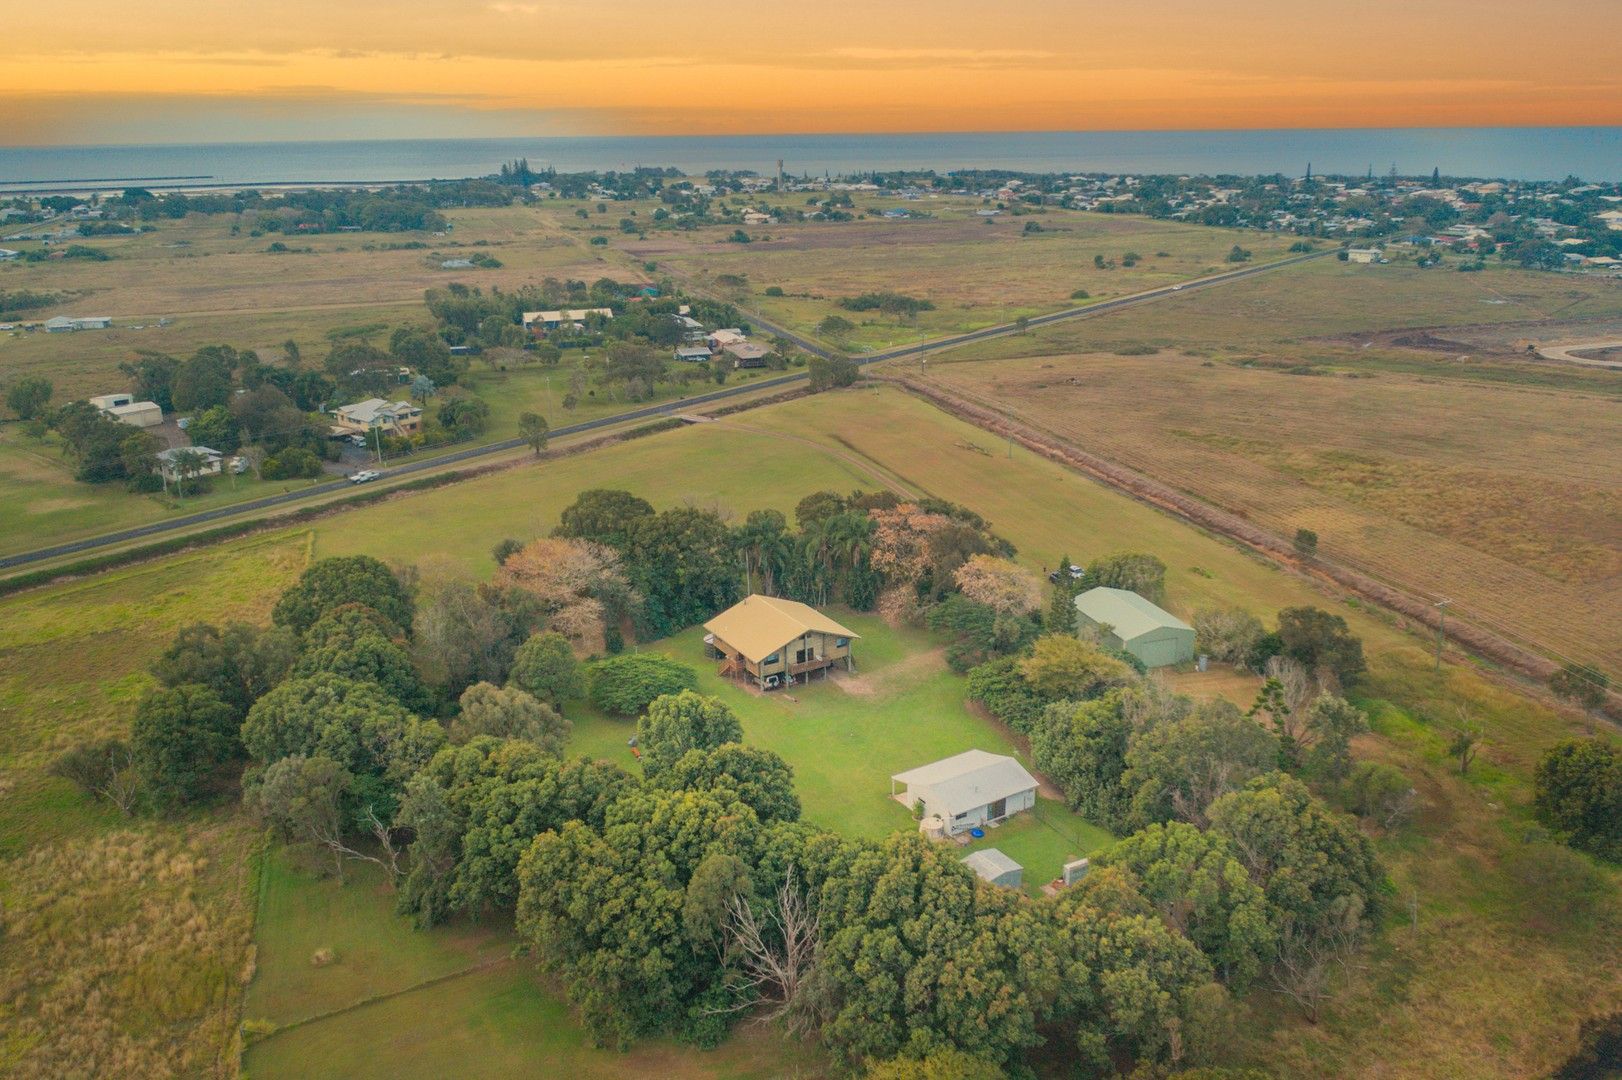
1555	883
1227	634
180	738
627	684
545	666
1380	792
1581	684
1142	574
508	713
104	769
1321	642
891	303
1001	688
332	583
294	463
677	723
1578	793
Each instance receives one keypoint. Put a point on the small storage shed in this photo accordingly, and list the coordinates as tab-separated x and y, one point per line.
994	867
1127	622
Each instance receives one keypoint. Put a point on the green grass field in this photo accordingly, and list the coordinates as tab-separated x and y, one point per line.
1483	988
847	735
388	1001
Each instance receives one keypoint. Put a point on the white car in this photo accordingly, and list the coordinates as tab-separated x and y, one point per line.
363	476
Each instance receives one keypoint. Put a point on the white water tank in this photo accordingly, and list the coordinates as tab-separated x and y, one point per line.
932	827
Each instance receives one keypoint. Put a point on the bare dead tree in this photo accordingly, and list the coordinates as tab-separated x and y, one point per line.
773	953
1301	688
104	770
1309	956
385	842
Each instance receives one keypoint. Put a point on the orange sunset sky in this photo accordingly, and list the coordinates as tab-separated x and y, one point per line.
95	71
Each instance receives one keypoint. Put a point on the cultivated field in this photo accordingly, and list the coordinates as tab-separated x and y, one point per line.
976	271
1483	986
1495	483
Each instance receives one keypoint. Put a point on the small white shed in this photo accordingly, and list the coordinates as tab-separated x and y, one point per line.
995	868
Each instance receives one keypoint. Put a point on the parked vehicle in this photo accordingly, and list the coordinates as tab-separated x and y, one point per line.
1075	572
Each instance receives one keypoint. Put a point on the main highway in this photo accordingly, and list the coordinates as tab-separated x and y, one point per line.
271	502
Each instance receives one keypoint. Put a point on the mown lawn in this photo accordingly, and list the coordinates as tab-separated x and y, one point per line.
847	735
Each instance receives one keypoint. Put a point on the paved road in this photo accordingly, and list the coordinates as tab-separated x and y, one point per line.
157	528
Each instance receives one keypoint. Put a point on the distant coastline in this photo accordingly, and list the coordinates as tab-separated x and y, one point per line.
1593	153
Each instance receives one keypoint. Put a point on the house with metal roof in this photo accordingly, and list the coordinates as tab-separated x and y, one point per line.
201	461
391	417
995	868
1128	623
539	322
968	790
772	642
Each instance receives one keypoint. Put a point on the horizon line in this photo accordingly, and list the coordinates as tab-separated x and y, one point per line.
832	134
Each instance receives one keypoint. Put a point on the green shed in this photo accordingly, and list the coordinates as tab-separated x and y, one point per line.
1133	625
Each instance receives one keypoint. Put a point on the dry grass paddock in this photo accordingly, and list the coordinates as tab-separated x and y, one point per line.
1499	489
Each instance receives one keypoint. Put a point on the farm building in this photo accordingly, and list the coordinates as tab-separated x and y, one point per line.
1127	622
773	641
62	324
693	354
111	401
137	413
968	790
995	868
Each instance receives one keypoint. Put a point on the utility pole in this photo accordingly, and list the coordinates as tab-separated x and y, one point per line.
1441	629
377	441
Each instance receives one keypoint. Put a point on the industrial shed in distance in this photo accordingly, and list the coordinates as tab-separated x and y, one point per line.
1129	623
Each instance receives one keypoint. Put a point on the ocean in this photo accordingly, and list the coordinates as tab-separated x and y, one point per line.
1546	153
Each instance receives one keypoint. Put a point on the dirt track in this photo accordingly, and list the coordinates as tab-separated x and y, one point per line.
1566	353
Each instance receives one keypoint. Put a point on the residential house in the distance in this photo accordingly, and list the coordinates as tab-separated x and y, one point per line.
389	417
207	462
539	323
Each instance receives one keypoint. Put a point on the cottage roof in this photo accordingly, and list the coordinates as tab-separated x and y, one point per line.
758	626
968	780
372	410
168	456
1130	614
990	864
